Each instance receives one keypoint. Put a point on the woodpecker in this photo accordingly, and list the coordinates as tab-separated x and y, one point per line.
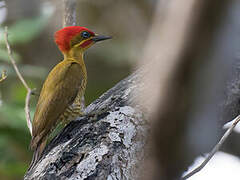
64	86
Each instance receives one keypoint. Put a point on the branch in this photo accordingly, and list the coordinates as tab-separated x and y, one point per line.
214	150
69	13
106	143
29	90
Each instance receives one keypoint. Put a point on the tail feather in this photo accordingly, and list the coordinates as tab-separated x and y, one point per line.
37	154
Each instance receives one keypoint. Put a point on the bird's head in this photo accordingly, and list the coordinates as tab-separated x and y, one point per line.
76	37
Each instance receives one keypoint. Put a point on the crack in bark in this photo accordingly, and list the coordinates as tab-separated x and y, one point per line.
106	143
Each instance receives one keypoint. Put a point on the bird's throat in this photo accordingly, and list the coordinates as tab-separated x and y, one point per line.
74	53
77	56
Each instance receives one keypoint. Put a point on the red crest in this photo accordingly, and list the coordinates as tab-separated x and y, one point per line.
64	36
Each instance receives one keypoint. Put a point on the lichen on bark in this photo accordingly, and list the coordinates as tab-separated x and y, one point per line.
106	143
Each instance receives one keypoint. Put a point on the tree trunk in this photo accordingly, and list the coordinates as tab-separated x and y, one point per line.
106	143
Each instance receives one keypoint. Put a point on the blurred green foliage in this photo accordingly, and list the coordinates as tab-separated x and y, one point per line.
14	134
30	32
25	30
4	55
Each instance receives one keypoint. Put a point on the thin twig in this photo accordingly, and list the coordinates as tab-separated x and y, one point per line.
214	150
29	90
3	75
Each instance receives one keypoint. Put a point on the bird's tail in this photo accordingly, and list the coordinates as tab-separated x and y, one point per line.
37	154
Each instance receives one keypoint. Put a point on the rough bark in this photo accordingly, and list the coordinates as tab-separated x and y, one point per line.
106	143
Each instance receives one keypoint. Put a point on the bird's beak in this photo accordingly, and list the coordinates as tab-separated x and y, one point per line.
100	38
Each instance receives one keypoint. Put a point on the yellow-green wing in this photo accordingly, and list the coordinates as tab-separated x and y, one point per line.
58	92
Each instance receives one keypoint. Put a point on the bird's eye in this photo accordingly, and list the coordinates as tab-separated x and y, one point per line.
85	34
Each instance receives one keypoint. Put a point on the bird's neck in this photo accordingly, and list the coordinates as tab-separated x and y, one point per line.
76	55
